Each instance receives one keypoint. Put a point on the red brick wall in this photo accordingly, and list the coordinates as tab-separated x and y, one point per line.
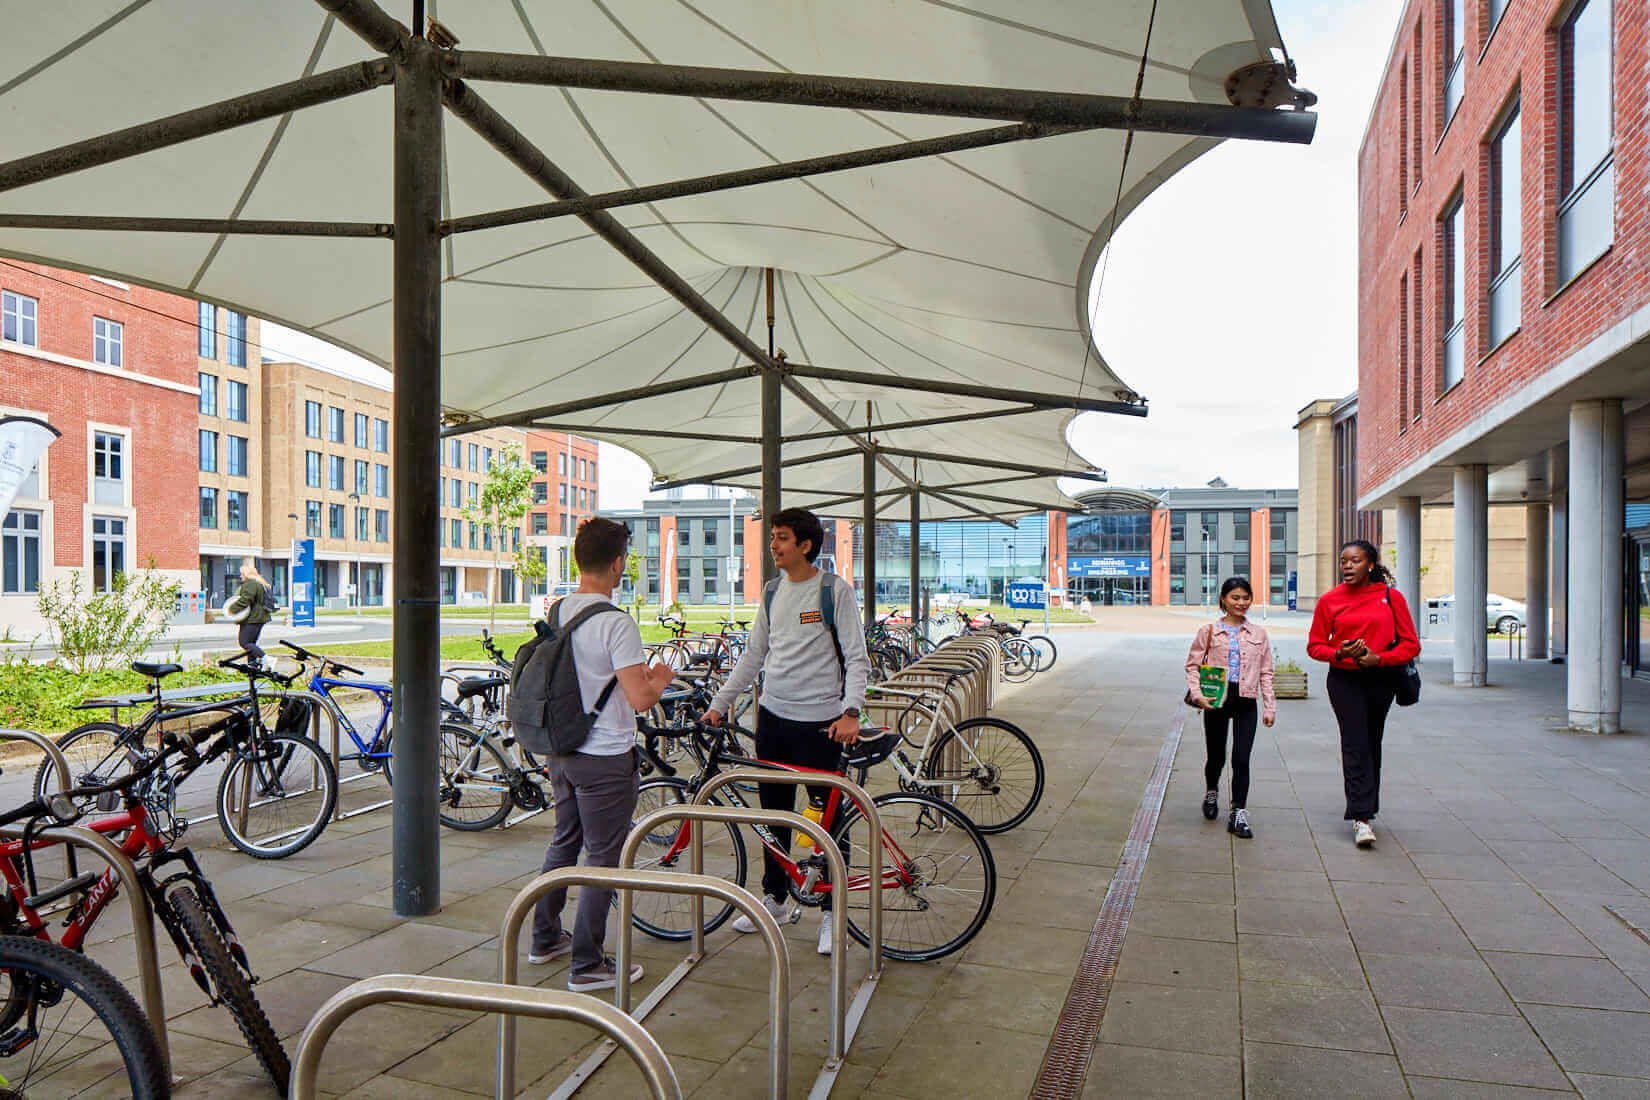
1260	553
1160	557
1520	58
1056	551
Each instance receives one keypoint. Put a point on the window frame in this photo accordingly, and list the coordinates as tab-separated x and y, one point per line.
230	406
108	341
312	419
1452	299
335	425
337	522
11	312
361	424
105	543
234	327
15	539
206	339
381	435
237	500
207	451
1503	302
1576	183
337	474
231	467
207	399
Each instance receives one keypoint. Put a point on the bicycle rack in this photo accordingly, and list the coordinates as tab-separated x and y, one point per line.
544	1004
494	670
624	879
325	704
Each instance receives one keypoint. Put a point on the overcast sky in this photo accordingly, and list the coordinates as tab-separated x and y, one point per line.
1230	299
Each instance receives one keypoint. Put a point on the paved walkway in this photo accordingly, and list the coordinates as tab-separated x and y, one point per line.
1471	953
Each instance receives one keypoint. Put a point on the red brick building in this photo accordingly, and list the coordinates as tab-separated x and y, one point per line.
563	494
1504	309
112	367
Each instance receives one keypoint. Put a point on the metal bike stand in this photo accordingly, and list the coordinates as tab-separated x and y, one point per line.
60	764
624	879
845	1020
477	666
544	1004
335	718
143	917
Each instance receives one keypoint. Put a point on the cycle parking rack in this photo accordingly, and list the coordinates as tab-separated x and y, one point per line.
624	880
450	674
544	1004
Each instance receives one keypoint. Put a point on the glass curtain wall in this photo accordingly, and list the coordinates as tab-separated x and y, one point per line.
971	558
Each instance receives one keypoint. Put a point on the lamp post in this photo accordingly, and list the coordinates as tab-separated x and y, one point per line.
355	596
1208	586
291	562
1008	564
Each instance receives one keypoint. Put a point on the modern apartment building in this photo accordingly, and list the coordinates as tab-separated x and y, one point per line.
564	492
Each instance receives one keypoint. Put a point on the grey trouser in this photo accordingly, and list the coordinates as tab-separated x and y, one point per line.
595	798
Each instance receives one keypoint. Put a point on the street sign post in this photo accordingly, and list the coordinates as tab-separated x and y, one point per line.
303	582
1293	594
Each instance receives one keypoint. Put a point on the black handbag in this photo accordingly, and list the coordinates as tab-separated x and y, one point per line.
1408	690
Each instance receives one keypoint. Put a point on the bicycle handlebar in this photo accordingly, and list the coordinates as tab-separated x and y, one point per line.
254	672
306	655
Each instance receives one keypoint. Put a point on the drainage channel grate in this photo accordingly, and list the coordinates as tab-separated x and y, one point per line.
1065	1066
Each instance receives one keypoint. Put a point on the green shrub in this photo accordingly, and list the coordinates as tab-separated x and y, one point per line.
43	697
96	631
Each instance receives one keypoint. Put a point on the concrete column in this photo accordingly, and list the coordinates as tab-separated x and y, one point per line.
1558	586
1472	562
1594	660
1409	555
1535	580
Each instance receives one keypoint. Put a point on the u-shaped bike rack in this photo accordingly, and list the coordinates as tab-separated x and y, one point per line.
545	1004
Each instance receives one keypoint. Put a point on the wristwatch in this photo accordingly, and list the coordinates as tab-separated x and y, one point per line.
851	711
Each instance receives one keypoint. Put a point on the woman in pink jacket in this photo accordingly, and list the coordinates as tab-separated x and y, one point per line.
1246	652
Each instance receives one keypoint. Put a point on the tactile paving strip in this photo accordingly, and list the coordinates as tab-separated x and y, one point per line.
1065	1066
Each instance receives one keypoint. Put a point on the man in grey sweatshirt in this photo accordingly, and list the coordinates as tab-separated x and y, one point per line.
813	684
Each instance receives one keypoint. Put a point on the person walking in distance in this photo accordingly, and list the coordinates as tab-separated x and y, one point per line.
1363	630
807	643
253	595
1246	652
595	786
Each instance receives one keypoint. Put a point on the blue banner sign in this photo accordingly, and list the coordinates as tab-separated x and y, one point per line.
1123	565
1026	594
303	582
1294	595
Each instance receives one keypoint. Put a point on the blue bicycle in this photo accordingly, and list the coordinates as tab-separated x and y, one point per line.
373	753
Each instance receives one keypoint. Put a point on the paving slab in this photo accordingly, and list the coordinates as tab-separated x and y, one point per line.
1308	1073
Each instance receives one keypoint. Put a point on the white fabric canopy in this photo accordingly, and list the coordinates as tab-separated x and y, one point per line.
969	268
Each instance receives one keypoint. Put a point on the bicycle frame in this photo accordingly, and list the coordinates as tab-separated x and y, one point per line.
322	685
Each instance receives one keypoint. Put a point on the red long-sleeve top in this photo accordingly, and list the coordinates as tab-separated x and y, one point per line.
1344	614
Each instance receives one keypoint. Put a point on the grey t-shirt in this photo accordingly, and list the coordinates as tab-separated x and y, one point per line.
601	645
801	679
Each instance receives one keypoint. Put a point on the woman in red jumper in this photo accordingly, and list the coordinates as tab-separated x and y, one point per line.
1363	630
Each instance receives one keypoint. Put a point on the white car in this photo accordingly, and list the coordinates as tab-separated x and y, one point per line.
1501	615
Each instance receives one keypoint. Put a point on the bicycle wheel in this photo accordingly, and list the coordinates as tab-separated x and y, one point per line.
991	771
475	781
72	1029
670	916
229	984
98	753
1019	660
1047	652
277	795
939	880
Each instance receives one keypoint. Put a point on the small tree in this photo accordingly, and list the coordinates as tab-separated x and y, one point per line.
99	630
505	496
633	574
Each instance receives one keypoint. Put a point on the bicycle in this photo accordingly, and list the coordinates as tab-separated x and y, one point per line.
273	798
147	831
374	753
1047	651
484	771
938	880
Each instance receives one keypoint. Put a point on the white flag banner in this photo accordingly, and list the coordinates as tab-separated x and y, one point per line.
23	439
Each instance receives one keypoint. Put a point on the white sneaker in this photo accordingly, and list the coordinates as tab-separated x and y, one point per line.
1362	835
825	934
779	910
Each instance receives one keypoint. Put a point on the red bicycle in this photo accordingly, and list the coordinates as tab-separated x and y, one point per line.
169	874
938	878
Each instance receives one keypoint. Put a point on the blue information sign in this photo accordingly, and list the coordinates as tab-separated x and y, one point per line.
1293	594
1026	594
1120	565
303	582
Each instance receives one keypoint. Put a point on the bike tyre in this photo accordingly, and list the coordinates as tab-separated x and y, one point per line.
45	777
233	988
1047	651
1019	660
994	824
467	737
329	796
669	790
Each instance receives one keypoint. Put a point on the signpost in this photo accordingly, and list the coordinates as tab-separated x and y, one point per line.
303	582
1029	595
1293	594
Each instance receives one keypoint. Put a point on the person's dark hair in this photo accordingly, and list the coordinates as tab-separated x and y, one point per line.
1232	584
1377	571
599	542
803	525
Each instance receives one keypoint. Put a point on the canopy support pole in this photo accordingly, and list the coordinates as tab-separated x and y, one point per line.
997	464
262	227
868	537
1133	407
926	422
770	463
416	677
916	558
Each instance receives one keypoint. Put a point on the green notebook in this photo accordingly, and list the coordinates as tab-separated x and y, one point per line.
1211	680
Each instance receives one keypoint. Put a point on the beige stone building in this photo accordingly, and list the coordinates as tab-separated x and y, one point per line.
231	430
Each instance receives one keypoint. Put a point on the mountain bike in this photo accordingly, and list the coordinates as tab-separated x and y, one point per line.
148	832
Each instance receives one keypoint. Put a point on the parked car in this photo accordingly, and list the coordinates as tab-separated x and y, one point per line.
1501	615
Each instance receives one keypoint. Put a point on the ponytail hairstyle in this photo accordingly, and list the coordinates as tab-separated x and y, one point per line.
1231	585
1377	571
249	572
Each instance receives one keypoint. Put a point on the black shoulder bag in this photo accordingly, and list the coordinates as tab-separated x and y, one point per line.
1409	677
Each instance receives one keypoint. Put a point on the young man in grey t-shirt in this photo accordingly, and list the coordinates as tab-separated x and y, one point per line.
811	695
595	788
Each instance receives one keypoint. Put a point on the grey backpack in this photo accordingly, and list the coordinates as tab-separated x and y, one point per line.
545	708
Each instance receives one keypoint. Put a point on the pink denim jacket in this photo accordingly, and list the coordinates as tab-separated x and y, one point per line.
1254	661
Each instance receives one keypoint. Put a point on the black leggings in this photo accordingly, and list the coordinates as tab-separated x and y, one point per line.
785	741
1242	714
248	638
1361	700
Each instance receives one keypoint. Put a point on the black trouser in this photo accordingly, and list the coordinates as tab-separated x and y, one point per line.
786	742
1361	699
1242	714
248	638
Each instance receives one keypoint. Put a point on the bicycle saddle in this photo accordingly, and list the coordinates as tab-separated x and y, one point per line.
155	670
873	747
480	685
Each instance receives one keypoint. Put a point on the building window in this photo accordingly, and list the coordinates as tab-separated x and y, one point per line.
1403	352
561	464
20	535
108	551
335	424
235	406
564	524
458	492
208	345
1403	138
475	493
236	509
312	518
458	534
475	458
541	493
1454	55
1497	8
381	480
209	452
1416	345
108	468
381	525
234	329
1505	232
209	394
363	523
312	419
335	472
237	456
541	524
1586	135
106	340
456	462
1417	116
381	436
1452	263
335	521
361	430
361	477
475	538
486	459
19	318
584	499
541	461
312	469
487	537
561	493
